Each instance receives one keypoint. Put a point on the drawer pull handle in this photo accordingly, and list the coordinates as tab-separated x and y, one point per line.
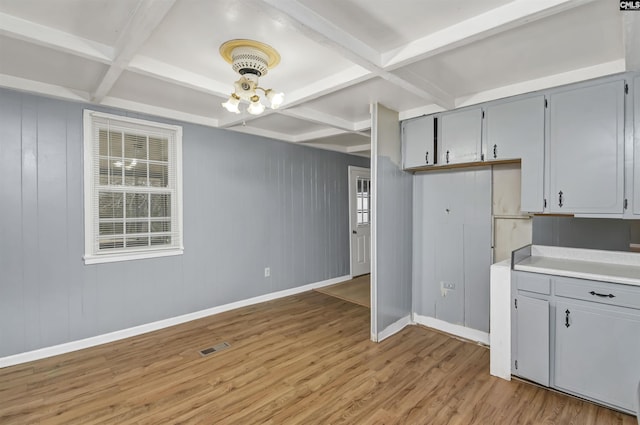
594	293
566	318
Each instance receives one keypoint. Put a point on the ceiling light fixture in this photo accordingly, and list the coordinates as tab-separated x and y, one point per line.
251	59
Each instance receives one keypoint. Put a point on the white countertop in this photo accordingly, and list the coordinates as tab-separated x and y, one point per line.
609	266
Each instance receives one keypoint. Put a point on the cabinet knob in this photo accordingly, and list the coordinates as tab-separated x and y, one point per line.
495	151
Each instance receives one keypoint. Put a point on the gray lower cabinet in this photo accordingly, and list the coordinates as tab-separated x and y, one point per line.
531	353
578	336
597	352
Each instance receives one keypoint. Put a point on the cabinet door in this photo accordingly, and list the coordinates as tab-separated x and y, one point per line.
417	142
597	352
531	342
460	136
516	130
636	146
586	147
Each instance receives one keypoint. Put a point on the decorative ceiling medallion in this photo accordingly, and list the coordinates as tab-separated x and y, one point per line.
251	59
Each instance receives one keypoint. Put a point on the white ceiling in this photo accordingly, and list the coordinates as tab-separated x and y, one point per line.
338	56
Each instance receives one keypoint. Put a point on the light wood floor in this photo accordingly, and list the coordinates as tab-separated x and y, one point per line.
305	359
356	290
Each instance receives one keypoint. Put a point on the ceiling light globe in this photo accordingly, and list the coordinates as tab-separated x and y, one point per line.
255	108
276	99
231	105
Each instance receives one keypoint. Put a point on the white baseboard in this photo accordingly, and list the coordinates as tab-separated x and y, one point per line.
154	326
394	328
457	330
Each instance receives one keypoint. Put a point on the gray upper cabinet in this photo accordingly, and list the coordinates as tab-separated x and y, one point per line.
460	136
636	145
515	130
418	142
586	149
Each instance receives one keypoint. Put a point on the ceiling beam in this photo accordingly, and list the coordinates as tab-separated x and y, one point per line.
144	21
326	33
495	21
163	71
359	148
318	117
317	134
631	37
172	114
264	133
52	90
20	29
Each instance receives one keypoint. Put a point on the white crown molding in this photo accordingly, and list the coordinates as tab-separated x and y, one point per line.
52	90
556	80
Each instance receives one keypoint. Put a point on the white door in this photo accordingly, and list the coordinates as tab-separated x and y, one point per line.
359	219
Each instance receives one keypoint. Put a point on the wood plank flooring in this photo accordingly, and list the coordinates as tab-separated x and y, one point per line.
305	359
356	290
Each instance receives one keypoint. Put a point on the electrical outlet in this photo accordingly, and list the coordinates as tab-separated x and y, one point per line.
449	285
267	272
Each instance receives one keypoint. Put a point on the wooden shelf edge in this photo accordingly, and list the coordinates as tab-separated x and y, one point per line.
427	168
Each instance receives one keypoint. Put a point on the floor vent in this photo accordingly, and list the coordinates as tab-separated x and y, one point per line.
215	349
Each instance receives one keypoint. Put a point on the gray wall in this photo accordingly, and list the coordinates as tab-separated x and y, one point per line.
393	221
249	203
592	233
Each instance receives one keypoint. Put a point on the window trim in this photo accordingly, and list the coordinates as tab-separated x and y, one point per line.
89	208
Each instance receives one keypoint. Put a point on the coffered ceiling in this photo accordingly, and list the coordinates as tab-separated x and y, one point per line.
338	56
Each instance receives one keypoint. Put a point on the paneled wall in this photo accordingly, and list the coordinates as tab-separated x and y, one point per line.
590	233
393	197
249	203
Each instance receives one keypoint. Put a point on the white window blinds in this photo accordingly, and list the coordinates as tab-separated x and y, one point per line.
132	188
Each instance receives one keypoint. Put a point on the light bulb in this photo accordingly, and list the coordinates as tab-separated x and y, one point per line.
231	105
276	99
255	108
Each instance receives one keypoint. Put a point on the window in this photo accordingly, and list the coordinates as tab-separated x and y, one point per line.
133	188
362	195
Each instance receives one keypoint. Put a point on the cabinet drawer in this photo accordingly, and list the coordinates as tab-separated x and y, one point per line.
602	292
533	282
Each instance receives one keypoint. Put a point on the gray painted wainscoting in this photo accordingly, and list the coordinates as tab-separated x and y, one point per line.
590	233
249	203
392	220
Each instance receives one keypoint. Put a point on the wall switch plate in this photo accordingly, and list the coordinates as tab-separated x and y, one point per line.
445	287
267	272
